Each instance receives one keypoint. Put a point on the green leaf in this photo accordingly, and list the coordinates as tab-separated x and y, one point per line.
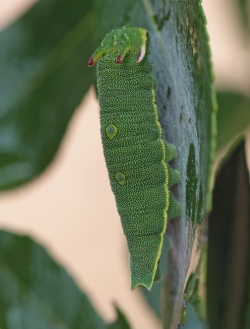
121	322
35	290
233	117
185	96
43	77
244	8
228	275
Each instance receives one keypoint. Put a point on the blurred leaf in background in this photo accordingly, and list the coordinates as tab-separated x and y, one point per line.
43	77
244	8
36	290
121	322
229	245
233	117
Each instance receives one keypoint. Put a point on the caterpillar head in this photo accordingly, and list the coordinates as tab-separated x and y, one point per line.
121	41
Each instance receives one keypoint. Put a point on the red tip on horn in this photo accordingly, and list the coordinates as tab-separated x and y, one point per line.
119	59
91	61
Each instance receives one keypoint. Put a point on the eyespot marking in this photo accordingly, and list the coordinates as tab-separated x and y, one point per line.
111	131
120	177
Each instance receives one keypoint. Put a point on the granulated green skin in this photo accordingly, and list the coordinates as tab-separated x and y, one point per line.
126	94
135	153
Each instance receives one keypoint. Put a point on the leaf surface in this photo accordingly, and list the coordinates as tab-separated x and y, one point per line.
121	322
233	117
43	77
38	293
229	246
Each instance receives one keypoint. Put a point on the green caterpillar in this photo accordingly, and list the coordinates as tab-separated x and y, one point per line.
136	155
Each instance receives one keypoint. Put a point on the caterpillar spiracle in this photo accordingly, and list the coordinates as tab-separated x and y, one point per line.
136	154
